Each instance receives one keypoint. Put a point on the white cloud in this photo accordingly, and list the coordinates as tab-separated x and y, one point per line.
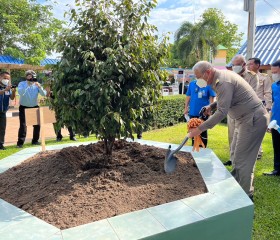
169	14
171	17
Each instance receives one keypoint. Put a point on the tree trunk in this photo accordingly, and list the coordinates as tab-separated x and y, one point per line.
108	145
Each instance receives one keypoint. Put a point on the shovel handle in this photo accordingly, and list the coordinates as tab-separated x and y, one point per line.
181	145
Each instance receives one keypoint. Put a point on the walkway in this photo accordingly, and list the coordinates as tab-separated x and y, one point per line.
13	126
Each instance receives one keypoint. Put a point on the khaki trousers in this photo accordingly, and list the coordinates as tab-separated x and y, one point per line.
231	130
248	135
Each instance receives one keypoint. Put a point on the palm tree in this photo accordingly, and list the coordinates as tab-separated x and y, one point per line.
195	42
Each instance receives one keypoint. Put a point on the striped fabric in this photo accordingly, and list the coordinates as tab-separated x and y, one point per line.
267	44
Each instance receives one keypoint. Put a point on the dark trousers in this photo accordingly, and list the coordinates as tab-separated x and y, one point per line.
70	130
203	135
3	121
23	128
276	147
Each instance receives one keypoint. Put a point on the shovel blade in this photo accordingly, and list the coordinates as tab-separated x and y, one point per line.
170	161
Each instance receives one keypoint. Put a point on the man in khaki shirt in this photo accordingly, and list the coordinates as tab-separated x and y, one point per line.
236	98
264	91
239	67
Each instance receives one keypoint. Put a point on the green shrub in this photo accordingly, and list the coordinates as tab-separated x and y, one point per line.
170	111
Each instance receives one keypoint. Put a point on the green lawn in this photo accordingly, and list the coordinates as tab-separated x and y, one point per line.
267	204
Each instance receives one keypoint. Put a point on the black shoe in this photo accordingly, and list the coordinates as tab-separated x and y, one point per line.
20	146
58	139
251	197
259	157
2	147
36	143
273	173
228	163
73	139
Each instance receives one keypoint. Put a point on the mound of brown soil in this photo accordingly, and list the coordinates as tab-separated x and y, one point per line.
77	185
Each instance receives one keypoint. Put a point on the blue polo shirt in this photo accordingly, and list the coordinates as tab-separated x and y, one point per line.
199	97
275	111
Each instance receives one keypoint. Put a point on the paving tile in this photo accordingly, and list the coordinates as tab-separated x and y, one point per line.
10	215
100	230
208	205
231	192
27	228
174	214
135	225
56	236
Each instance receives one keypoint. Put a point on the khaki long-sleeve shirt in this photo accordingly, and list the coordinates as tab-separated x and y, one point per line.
235	97
264	91
251	78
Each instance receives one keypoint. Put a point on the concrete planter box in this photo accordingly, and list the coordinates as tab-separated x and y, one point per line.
225	212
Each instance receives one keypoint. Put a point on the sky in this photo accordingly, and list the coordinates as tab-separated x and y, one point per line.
170	14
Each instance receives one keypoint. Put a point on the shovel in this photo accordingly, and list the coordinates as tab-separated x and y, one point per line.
170	160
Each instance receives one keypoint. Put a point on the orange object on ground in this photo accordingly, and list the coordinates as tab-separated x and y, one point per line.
194	123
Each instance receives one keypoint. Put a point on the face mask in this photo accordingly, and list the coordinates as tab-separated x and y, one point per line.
237	69
201	83
5	81
276	77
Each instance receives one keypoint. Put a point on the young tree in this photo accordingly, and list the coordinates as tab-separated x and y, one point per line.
28	30
109	75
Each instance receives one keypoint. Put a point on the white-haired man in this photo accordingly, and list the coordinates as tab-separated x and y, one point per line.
28	91
239	67
236	98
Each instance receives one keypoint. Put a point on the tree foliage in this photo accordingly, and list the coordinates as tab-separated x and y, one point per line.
199	41
28	29
193	41
226	32
108	79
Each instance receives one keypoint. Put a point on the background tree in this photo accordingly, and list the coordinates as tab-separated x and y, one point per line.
173	59
193	41
226	33
108	80
199	41
28	30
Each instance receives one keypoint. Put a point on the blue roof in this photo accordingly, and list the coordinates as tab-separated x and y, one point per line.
267	44
49	61
11	60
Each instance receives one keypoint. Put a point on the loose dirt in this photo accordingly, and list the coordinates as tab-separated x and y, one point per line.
78	185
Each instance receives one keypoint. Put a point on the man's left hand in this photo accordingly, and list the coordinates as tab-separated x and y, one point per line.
194	132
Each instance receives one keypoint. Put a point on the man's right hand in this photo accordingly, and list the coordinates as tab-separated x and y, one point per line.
8	88
205	111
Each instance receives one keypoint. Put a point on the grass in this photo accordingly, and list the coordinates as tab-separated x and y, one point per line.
267	189
13	149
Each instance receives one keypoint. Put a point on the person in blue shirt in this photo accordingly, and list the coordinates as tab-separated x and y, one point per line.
6	93
199	94
275	115
28	91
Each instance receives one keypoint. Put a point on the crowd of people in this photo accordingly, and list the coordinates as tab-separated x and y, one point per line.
245	96
28	91
249	101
